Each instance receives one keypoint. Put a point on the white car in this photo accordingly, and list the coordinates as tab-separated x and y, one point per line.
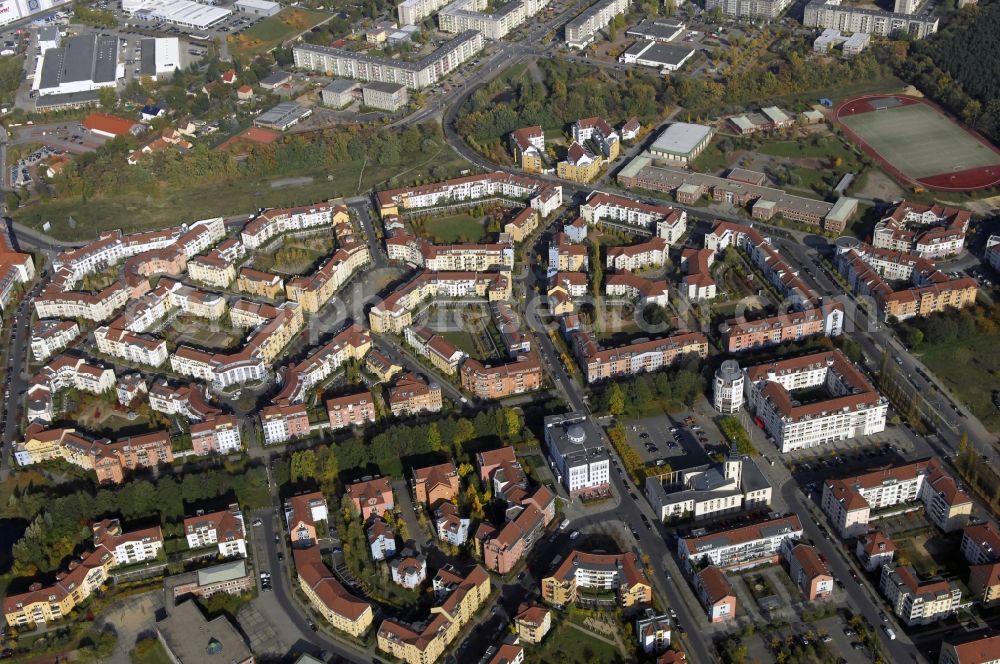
573	535
564	525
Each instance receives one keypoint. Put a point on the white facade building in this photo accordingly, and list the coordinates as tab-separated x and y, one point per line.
727	392
577	453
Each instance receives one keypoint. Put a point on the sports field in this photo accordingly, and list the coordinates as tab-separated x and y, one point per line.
918	141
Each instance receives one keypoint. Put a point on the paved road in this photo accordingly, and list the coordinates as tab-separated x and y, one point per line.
406	359
361	210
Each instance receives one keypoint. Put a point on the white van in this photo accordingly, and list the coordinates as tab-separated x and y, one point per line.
564	525
888	632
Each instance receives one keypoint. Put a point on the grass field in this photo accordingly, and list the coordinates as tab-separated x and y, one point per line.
295	256
453	228
970	368
567	644
137	212
831	148
919	141
202	335
272	31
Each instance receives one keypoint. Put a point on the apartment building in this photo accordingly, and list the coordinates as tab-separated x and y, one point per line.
580	165
981	543
339	608
532	623
315	290
212	270
281	423
710	490
852	407
352	410
381	538
741	547
581	30
459	596
409	569
64	372
653	253
602	208
749	9
450	526
381	365
565	256
522	224
434	484
849	502
876	22
452	257
632	359
972	649
134	348
224	529
15	268
809	572
444	355
371	497
601	133
527	144
577	453
741	335
272	223
874	550
715	594
929	231
48	337
463	15
496	186
427	71
502	549
302	512
638	289
259	283
698	282
412	12
618	573
917	602
219	435
486	381
867	269
112	548
412	394
351	343
394	313
99	306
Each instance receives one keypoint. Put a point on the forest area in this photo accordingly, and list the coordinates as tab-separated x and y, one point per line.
567	92
959	67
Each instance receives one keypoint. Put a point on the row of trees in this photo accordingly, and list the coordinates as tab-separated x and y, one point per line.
737	435
59	523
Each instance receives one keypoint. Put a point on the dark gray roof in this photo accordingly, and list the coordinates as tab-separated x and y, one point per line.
277	78
147	65
86	57
283	115
67	99
48	33
341	86
657	30
667	54
388	88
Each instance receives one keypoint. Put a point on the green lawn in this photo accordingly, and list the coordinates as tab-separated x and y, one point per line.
272	31
453	228
567	645
970	368
829	149
135	212
149	652
464	340
712	160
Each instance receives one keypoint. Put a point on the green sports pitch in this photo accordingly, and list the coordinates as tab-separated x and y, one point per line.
919	141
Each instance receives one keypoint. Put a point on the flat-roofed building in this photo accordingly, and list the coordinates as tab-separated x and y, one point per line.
84	64
581	30
681	142
577	453
385	96
877	22
422	73
188	636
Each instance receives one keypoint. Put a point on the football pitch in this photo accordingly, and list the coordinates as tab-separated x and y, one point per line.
919	141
